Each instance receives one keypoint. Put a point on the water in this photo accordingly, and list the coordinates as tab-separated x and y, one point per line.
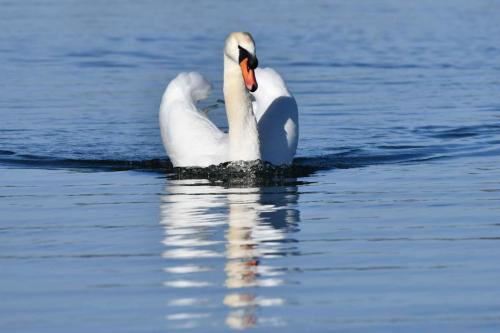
389	221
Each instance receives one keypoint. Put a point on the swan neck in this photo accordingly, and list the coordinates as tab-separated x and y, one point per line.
243	134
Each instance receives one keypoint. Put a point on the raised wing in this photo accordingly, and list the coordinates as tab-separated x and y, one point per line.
189	136
277	117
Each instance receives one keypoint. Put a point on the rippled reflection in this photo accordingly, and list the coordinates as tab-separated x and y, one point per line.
221	246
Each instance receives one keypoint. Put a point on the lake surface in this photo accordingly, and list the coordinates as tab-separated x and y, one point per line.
395	226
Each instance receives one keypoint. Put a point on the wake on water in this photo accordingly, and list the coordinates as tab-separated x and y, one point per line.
259	172
451	145
465	141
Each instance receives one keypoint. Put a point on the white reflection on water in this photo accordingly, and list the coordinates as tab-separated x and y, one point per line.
217	237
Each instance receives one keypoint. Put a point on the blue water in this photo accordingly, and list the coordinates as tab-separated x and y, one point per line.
390	220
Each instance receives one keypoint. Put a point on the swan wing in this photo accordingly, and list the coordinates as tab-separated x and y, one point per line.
277	117
189	136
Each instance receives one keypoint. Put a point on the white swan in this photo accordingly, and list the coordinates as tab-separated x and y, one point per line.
265	128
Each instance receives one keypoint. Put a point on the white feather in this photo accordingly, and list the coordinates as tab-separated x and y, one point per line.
277	117
267	129
189	137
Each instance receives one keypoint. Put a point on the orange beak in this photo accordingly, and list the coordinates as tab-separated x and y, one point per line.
248	75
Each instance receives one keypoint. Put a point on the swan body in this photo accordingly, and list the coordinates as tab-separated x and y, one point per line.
262	114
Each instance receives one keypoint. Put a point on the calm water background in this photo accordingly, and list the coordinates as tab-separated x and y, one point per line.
398	230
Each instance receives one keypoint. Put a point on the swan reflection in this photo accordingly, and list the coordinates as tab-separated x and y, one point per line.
220	245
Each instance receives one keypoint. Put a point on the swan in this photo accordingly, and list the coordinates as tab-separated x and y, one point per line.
262	114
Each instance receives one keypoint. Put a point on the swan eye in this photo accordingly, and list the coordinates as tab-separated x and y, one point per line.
252	60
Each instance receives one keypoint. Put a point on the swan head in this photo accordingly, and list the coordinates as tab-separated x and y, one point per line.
240	48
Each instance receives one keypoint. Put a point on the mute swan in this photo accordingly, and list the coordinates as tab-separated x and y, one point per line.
263	127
